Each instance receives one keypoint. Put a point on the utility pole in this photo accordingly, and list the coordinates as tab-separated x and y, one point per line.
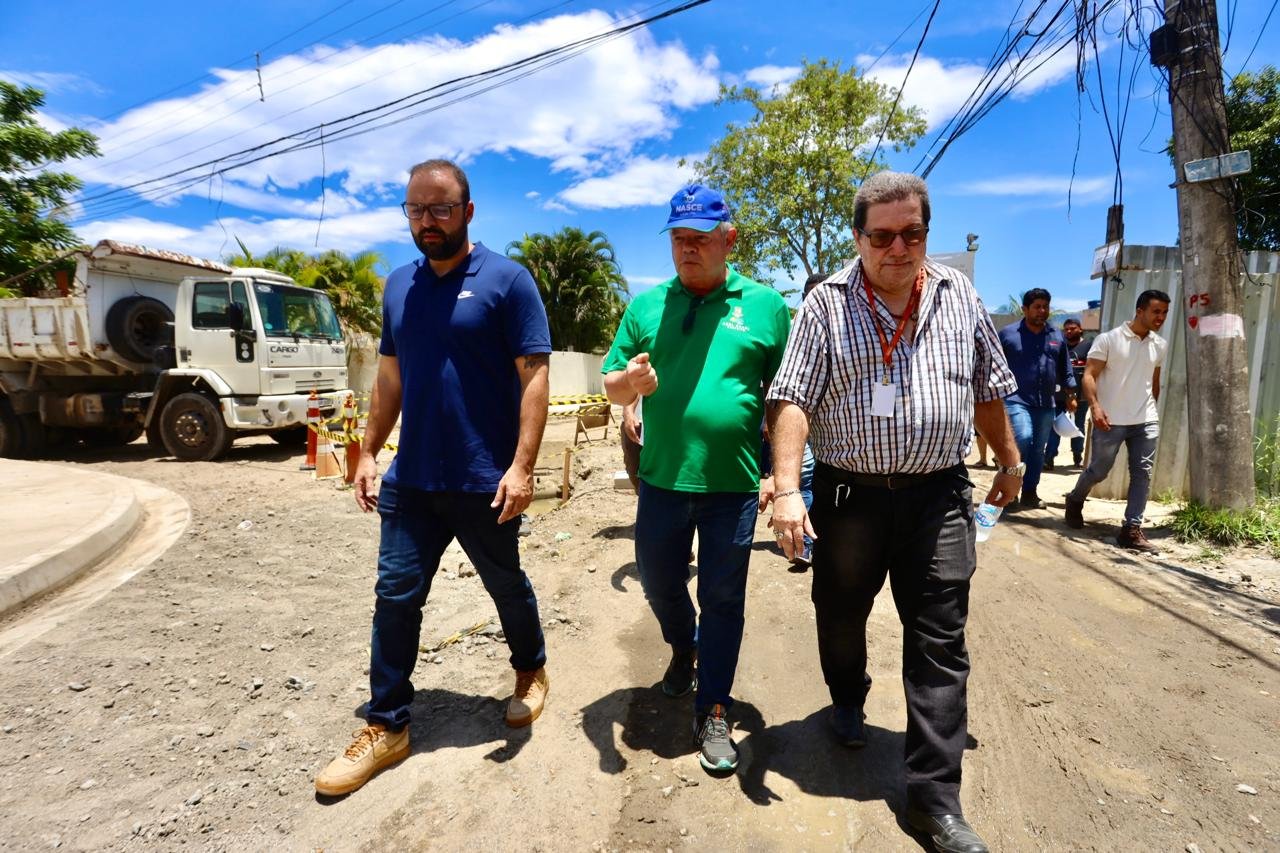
1219	420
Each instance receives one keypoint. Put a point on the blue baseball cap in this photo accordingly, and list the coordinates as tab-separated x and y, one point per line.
697	207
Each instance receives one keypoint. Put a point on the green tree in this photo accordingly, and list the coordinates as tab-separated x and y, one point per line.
1253	116
31	232
580	282
351	282
790	172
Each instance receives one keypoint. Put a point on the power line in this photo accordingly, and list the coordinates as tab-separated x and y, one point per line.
364	120
894	109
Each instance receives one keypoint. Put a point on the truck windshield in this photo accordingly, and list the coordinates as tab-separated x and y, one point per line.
289	312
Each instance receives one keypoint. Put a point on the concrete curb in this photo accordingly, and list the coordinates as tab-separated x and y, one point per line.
63	559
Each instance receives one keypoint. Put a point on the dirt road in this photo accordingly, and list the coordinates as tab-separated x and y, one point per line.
1116	702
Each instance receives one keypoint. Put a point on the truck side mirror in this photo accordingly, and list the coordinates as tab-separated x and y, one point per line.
235	316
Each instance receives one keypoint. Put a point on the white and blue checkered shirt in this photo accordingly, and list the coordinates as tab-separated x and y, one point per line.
833	359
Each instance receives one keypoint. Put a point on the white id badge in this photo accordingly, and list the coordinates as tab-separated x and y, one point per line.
882	397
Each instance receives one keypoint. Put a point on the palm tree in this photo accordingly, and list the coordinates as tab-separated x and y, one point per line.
351	282
581	285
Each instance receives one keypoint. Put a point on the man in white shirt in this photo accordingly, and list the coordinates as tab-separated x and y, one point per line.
1122	385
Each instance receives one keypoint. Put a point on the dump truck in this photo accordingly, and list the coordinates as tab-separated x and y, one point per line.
191	352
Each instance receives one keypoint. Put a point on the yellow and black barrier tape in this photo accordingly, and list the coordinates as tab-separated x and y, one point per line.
581	399
344	437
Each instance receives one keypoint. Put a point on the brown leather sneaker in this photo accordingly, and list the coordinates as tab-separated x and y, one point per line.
1132	537
372	749
529	697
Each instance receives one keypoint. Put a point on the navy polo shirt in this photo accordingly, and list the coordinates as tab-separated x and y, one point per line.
456	339
1040	363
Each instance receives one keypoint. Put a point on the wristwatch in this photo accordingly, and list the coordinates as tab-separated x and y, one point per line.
1013	470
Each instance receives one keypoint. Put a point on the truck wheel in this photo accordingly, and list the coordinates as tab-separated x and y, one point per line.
137	326
193	430
12	442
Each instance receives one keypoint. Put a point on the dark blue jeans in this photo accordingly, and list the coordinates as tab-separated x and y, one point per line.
416	528
1031	428
726	522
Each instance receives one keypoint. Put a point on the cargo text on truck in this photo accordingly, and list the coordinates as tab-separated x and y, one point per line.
193	352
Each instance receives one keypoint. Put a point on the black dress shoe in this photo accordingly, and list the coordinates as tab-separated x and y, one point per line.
950	833
846	724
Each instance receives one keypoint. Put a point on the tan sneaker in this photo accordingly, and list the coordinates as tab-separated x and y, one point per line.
531	694
373	749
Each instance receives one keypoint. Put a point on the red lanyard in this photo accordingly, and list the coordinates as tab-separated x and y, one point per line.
886	346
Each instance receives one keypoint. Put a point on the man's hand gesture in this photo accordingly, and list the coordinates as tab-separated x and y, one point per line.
641	375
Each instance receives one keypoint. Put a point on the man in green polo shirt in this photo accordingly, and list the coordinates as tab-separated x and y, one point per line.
700	349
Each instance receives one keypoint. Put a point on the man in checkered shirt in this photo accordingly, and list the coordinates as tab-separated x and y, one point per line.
890	365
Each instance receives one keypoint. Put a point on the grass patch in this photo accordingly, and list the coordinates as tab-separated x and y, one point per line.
1259	525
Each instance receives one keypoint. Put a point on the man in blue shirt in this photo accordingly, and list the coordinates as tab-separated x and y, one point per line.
1038	356
463	363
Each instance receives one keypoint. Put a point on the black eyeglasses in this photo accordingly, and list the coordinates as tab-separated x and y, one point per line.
884	239
687	325
441	211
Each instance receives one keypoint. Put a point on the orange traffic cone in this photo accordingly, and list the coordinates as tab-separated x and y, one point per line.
313	423
327	464
349	426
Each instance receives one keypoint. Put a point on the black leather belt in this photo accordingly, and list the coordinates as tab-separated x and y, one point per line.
888	481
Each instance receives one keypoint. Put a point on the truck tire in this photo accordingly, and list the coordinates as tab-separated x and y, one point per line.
12	442
193	430
137	326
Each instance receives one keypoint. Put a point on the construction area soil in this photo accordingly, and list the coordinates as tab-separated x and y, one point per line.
1117	702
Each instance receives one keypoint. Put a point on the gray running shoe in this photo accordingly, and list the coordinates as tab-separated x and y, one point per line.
716	750
681	675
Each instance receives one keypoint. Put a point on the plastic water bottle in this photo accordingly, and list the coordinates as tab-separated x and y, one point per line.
984	520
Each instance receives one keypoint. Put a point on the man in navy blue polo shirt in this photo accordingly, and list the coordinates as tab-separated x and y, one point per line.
463	363
1037	354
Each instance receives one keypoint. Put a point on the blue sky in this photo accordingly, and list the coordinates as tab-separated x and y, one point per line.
593	142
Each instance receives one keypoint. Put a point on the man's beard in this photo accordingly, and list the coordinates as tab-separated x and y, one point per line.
449	245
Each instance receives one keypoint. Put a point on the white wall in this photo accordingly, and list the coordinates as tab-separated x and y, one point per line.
572	373
576	373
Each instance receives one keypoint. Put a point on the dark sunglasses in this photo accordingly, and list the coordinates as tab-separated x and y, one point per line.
687	325
884	239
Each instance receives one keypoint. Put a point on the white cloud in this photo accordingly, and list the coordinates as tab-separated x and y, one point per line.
559	207
51	81
646	280
532	194
940	90
595	107
1070	306
1038	185
768	76
642	181
353	232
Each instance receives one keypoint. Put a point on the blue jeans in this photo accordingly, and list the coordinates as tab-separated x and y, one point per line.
1140	439
1031	428
416	528
726	522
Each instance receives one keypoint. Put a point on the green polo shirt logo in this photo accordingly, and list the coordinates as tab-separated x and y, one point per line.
702	425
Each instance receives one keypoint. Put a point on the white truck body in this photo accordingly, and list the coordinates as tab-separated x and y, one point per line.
141	327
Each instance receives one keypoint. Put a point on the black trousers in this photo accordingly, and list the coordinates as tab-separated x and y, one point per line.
921	537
